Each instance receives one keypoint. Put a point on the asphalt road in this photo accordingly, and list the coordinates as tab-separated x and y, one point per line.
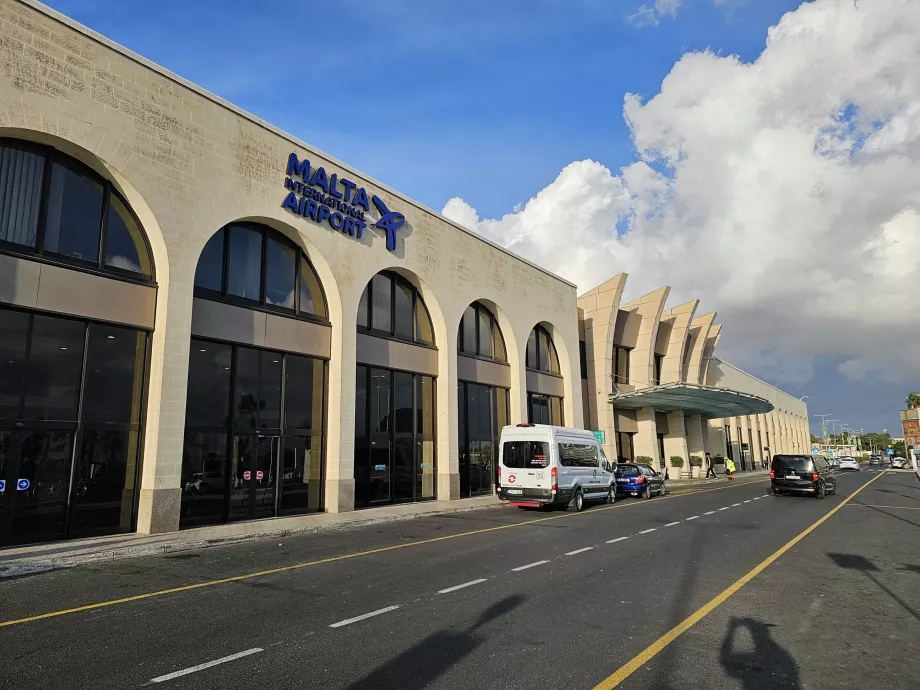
504	598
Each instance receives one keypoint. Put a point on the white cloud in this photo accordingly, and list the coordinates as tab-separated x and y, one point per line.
785	193
651	15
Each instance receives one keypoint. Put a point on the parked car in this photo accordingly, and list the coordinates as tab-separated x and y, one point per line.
808	474
544	465
833	462
848	464
636	479
875	459
898	463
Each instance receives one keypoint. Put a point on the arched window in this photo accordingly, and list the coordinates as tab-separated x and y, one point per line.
55	207
479	334
391	306
254	266
541	353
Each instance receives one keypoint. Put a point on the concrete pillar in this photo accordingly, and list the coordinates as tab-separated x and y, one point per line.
675	443
696	440
645	441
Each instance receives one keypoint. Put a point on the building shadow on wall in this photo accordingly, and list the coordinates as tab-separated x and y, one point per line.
431	658
765	667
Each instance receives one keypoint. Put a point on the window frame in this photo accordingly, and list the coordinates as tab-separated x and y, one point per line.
618	377
494	331
538	366
38	253
417	300
223	295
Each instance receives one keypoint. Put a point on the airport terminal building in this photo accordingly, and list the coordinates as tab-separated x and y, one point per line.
204	319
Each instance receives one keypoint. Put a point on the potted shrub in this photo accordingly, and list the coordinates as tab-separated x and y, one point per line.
645	460
696	466
677	462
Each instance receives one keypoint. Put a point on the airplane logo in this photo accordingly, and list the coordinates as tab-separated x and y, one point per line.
391	221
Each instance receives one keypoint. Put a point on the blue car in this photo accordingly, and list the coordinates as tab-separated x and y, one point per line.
635	479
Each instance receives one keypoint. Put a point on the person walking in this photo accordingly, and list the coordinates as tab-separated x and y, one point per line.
710	470
729	468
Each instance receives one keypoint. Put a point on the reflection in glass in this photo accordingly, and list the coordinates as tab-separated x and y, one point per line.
426	469
402	310
73	217
14	332
39	513
301	475
380	435
246	393
208	400
244	269
280	269
54	369
6	449
404	423
382	295
210	272
362	437
485	333
114	370
531	357
103	493
312	300
303	393
423	331
468	330
125	247
204	459
363	308
21	174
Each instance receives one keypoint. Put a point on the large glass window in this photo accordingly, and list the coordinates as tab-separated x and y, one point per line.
253	434
621	365
544	409
394	437
482	412
659	364
253	265
79	460
53	205
479	334
392	306
541	352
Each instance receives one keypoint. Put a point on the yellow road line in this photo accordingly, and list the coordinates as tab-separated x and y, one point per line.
333	559
647	654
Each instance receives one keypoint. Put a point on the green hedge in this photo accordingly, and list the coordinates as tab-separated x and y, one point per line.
677	461
696	461
644	459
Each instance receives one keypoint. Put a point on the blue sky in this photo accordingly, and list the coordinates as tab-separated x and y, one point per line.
485	100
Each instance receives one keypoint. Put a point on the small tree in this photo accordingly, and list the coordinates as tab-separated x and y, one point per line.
644	459
696	461
913	400
677	461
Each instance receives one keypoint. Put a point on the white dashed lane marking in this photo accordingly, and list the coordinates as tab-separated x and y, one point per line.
349	621
725	508
691	518
646	531
614	541
577	551
529	565
209	664
465	584
709	513
671	524
735	505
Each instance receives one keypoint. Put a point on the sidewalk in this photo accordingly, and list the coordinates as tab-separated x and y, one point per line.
27	560
680	483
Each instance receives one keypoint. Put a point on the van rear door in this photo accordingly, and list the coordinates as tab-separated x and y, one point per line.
526	467
793	471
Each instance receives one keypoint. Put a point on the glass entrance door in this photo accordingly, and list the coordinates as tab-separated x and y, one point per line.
253	477
36	485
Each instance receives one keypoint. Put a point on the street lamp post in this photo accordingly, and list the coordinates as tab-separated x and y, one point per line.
823	425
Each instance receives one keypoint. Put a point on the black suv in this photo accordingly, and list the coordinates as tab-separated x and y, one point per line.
802	474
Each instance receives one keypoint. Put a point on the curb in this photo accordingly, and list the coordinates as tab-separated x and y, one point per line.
34	566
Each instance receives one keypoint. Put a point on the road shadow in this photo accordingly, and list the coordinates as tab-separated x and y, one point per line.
422	664
851	561
886	513
767	667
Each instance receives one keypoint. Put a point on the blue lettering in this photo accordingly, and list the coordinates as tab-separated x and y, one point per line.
336	220
349	188
319	179
323	214
290	202
310	208
349	226
359	226
332	184
297	168
361	199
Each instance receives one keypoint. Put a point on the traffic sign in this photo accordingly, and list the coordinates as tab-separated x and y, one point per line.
259	474
22	484
246	475
599	435
2	485
891	451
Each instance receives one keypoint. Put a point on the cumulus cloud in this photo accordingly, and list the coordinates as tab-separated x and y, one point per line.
784	193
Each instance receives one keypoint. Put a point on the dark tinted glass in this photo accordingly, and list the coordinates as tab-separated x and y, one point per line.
270	391
208	400
245	263
363	313
204	467
14	330
301	478
44	459
498	343
552	364
280	270
426	468
303	393
468	330
525	454
627	471
311	294
125	247
103	496
379	392
73	214
210	271
114	375
52	380
246	393
402	315
362	442
382	318
403	405
555	411
531	358
423	330
485	333
793	463
21	175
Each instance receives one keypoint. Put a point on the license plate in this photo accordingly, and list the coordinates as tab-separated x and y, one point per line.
516	492
622	481
792	476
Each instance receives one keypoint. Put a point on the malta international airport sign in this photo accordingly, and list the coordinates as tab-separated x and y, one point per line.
340	203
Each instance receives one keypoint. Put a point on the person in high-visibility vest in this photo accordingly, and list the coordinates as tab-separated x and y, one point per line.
729	468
